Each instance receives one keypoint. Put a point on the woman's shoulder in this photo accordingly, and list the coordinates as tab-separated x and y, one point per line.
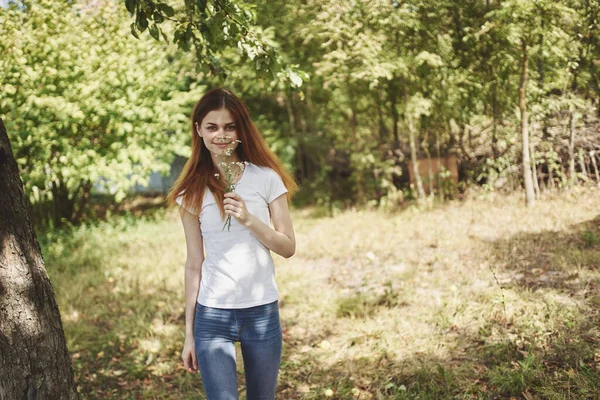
260	169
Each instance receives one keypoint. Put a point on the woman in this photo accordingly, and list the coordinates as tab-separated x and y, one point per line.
230	293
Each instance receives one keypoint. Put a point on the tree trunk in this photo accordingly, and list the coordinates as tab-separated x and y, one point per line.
536	185
361	197
439	166
541	176
551	176
393	97
82	194
582	166
383	132
63	205
540	59
35	363
534	166
593	158
541	73
527	178
307	120
495	119
413	158
572	176
563	177
299	145
470	132
425	147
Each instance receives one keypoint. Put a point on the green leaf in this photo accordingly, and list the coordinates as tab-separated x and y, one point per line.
154	31
166	9
158	17
142	22
163	35
130	5
201	4
184	43
133	31
215	27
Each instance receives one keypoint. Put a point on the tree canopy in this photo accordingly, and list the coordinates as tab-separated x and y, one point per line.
346	93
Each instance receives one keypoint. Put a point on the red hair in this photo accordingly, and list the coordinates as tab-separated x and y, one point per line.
199	171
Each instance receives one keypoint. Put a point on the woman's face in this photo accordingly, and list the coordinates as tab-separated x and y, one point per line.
218	131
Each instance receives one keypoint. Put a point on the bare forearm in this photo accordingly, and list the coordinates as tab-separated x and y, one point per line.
275	241
193	275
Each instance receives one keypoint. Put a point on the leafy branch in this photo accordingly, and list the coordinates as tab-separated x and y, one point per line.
210	26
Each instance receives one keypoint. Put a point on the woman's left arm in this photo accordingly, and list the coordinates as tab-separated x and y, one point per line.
281	240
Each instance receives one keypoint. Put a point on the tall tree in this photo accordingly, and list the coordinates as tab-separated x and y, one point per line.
522	23
35	363
526	161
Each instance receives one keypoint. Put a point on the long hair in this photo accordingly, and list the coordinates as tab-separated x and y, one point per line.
199	171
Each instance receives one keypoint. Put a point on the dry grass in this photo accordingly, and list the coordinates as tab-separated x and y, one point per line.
476	299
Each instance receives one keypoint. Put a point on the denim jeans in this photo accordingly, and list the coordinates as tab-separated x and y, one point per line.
259	332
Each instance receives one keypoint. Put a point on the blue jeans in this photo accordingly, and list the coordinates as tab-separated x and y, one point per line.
258	330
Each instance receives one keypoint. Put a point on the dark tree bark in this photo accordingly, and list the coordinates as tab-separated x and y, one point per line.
34	361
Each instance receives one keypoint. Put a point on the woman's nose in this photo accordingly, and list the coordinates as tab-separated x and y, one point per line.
222	136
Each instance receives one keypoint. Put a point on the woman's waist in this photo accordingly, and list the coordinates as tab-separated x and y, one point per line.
237	252
238	266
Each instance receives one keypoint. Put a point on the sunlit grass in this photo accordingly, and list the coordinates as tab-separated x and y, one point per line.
483	298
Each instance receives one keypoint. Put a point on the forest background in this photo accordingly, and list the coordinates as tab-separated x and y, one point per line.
346	93
349	94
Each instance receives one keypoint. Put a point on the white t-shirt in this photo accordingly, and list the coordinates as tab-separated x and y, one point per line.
238	270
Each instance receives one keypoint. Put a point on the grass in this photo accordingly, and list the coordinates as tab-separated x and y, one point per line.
479	299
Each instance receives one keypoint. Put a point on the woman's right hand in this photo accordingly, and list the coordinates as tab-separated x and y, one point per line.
188	355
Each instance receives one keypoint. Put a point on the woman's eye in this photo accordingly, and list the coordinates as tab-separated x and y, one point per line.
230	128
212	128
